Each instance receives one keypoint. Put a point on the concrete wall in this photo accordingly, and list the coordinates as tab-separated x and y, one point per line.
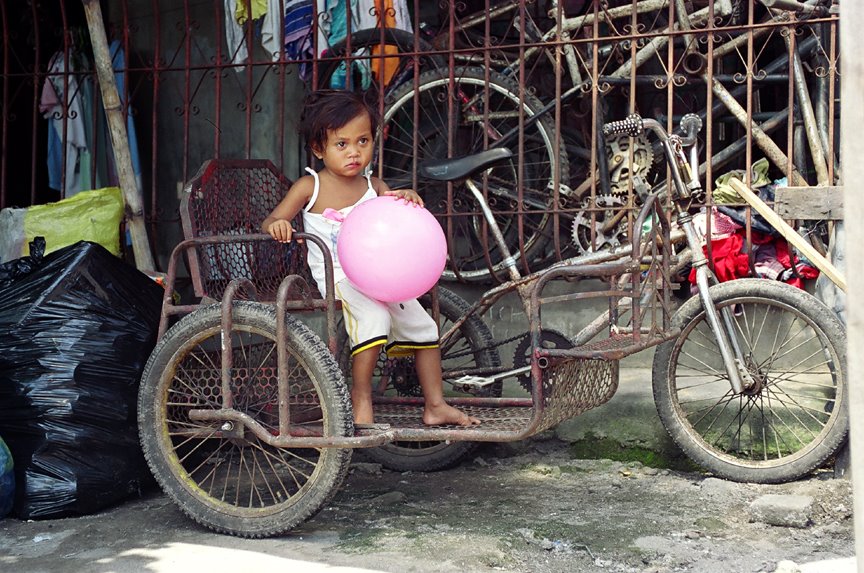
202	114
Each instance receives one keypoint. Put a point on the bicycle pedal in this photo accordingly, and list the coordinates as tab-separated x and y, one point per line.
472	384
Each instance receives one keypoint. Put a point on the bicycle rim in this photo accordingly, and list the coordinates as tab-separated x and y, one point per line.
434	121
792	417
232	481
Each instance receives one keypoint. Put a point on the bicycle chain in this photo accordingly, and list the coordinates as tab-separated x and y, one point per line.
495	344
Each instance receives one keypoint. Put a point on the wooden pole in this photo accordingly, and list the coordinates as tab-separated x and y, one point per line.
119	138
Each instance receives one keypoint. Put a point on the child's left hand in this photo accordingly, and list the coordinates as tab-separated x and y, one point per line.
408	195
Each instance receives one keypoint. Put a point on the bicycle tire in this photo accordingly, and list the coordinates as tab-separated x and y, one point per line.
474	92
238	484
476	340
796	415
365	42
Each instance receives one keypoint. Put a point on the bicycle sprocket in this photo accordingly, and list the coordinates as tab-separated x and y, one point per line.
522	354
401	374
605	216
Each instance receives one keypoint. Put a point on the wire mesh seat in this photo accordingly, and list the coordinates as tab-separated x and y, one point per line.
221	212
230	197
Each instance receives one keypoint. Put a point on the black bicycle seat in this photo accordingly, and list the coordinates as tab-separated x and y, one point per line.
462	167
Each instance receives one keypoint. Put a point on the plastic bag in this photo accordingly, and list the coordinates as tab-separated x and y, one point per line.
7	480
87	216
77	333
20	267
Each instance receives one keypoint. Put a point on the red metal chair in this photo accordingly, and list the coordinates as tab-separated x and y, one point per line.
221	211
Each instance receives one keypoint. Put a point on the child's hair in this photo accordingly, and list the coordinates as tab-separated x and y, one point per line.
325	110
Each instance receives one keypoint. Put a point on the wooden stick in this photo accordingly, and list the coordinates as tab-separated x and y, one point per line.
119	138
789	233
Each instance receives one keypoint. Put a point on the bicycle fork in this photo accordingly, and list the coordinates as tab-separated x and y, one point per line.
722	323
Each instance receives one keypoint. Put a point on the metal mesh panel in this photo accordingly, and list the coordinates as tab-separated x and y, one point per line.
571	387
493	419
233	198
254	386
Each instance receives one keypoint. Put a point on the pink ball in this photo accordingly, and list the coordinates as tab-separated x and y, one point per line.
391	250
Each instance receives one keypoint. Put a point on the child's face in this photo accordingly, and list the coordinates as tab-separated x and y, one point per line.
349	148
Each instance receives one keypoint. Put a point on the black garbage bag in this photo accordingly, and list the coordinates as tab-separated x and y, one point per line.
11	270
77	332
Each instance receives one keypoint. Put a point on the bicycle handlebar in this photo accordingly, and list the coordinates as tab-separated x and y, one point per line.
632	125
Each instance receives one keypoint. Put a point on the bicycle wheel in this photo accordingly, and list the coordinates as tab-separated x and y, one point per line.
236	483
483	114
471	347
378	62
796	413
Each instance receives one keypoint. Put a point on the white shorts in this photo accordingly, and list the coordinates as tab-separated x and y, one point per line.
402	326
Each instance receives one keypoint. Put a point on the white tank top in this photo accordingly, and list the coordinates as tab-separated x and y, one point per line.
328	230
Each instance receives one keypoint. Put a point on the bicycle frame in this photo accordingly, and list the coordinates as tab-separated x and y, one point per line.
628	292
566	28
616	262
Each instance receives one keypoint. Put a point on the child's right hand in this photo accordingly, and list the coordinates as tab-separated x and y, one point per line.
281	230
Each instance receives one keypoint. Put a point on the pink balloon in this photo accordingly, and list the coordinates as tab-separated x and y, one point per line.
391	250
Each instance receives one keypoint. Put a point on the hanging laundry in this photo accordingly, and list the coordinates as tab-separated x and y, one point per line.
333	28
268	15
61	103
387	12
333	23
235	37
271	29
258	7
118	62
298	34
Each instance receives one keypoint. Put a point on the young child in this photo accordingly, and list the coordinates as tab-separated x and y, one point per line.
340	129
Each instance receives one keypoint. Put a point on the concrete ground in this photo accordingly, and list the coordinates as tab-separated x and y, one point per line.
151	534
533	507
538	511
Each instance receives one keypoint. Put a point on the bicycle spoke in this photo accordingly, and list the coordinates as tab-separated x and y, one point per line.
251	473
791	397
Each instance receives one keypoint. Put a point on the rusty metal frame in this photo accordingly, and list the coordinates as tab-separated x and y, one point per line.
635	54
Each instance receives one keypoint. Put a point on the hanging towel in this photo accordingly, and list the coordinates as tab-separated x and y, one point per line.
271	29
118	62
298	34
60	104
235	37
269	15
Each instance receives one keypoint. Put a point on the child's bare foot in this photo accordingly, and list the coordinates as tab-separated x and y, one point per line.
444	414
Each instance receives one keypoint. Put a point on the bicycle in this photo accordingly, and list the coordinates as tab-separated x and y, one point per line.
244	412
434	109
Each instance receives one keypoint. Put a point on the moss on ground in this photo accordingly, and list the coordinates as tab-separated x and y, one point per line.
596	448
360	540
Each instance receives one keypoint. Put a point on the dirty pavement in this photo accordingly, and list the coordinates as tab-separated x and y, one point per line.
523	507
